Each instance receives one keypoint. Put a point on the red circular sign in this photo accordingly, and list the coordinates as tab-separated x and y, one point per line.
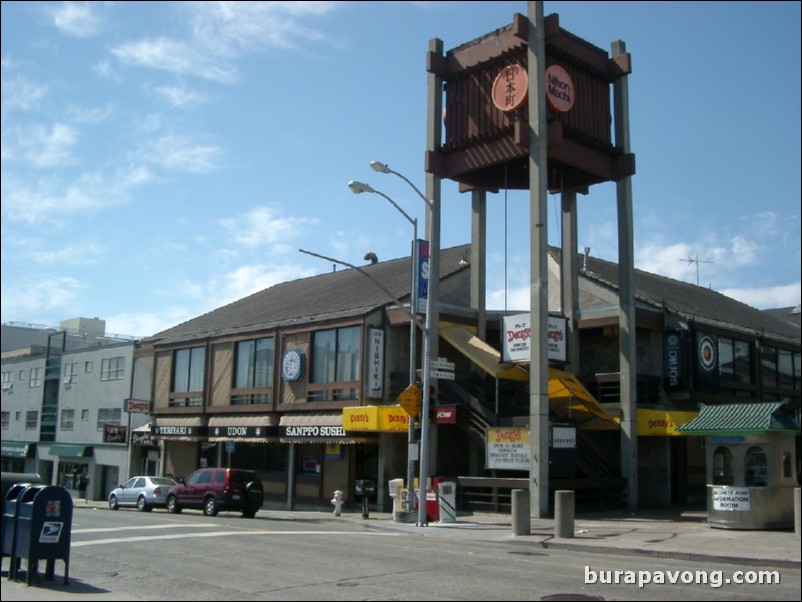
560	91
510	88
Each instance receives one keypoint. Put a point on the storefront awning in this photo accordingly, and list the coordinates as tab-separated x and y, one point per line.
70	450
377	419
568	398
189	428
742	419
18	449
316	428
482	354
248	429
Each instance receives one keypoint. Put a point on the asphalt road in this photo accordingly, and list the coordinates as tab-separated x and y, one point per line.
127	555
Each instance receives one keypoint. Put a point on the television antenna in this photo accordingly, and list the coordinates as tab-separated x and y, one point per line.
697	261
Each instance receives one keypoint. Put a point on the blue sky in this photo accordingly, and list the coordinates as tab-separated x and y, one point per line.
160	160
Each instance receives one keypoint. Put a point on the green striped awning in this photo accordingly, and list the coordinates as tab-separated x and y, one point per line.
71	450
741	418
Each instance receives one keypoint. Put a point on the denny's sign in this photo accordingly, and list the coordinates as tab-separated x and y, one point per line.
376	419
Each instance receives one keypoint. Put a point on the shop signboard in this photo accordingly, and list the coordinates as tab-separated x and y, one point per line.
517	334
507	448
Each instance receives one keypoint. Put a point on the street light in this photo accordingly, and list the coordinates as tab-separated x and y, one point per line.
383	168
433	233
357	188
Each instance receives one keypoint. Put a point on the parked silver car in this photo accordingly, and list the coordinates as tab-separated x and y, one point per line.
145	493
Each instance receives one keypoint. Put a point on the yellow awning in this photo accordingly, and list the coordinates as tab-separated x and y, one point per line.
568	397
482	354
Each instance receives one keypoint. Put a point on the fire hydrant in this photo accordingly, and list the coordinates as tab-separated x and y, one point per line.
338	502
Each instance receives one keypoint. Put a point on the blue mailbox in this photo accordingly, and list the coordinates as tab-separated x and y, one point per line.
43	531
10	517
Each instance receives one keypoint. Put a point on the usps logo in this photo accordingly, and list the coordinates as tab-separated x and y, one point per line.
51	532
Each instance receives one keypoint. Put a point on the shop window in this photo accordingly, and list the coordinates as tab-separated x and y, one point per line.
336	358
188	376
254	371
756	467
769	366
785	368
722	467
735	361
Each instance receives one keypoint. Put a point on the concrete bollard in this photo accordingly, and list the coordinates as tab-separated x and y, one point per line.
564	514
521	525
797	512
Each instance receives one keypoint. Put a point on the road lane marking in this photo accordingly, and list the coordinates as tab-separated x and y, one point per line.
149	538
145	527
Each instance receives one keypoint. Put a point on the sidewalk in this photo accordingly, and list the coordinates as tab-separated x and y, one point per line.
662	534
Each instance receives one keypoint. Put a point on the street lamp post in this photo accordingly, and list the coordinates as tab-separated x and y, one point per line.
432	230
357	188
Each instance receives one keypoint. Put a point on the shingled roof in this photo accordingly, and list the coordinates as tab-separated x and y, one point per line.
690	302
335	295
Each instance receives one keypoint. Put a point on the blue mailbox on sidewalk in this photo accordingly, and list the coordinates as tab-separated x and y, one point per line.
43	531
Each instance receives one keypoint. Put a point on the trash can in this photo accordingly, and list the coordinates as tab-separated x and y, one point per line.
43	531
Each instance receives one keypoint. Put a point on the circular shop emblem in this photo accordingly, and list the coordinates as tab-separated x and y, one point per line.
510	88
707	353
291	364
559	89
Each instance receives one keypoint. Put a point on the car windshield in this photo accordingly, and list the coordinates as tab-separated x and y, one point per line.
162	481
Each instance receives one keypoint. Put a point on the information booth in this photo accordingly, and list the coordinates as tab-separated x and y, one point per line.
750	464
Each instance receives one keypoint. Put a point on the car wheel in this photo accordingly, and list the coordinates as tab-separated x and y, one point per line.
210	507
142	505
254	492
113	505
172	505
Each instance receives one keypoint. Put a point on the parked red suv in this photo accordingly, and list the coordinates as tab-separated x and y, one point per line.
216	489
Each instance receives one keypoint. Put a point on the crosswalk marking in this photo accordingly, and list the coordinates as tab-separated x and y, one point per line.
229	533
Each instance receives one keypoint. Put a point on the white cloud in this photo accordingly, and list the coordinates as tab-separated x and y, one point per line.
49	199
175	57
104	70
145	324
180	96
248	279
223	31
79	19
262	226
43	295
22	93
77	253
86	115
48	148
179	153
787	295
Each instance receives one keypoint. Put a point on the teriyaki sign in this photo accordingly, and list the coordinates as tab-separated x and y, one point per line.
517	334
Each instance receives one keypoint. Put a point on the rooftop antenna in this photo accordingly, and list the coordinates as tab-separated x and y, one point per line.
697	261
